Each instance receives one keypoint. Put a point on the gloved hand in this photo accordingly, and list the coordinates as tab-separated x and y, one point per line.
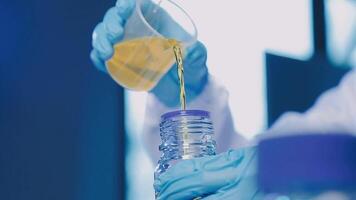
111	31
230	175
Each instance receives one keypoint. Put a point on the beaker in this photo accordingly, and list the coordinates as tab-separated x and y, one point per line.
145	53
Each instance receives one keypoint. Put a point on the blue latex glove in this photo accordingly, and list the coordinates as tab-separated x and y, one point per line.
228	176
111	31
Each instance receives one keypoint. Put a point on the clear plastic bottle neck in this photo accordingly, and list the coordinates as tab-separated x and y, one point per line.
185	134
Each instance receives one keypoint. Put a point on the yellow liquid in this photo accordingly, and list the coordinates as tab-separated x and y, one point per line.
138	64
180	71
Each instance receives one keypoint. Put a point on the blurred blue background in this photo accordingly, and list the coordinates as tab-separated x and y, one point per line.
62	123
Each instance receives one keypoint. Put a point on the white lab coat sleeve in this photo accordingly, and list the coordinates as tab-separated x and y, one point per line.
333	112
214	99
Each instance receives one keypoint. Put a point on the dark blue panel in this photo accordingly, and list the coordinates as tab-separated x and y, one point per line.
294	85
61	121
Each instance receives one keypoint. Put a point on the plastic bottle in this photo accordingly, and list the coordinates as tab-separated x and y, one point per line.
185	134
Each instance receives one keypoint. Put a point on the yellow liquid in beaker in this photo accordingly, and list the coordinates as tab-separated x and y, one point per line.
138	64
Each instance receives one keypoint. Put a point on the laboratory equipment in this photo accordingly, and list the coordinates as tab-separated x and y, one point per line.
185	134
146	53
308	167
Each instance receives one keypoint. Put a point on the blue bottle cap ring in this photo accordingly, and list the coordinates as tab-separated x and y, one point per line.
176	113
